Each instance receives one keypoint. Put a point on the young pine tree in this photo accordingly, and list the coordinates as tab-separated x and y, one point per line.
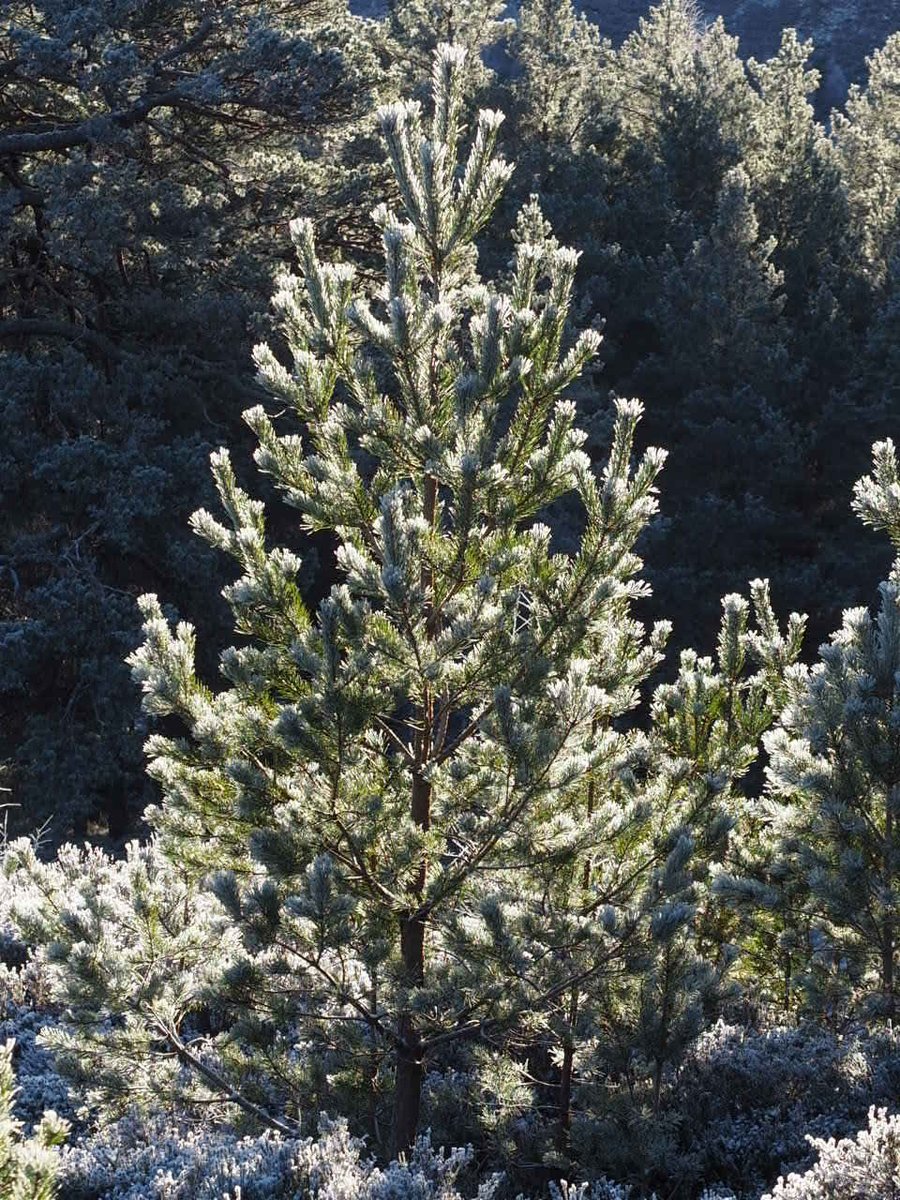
687	780
379	789
835	769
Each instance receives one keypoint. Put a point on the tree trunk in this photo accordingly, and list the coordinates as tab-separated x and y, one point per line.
887	968
410	1055
408	1086
568	1061
567	1074
565	1096
889	934
410	1052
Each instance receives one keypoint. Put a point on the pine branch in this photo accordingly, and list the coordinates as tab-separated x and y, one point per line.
211	1075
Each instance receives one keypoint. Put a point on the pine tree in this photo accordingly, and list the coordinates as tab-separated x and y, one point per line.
834	774
149	157
416	27
559	56
865	138
380	789
687	780
720	309
720	376
797	187
682	97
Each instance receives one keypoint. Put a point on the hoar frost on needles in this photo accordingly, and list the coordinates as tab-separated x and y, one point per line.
378	791
410	823
831	874
28	1166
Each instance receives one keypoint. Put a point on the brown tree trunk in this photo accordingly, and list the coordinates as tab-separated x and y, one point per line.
889	934
410	1052
565	1096
410	1055
408	1087
568	1061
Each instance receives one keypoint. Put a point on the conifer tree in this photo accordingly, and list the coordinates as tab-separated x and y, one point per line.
834	774
798	193
416	27
720	309
686	780
381	787
865	137
559	56
682	98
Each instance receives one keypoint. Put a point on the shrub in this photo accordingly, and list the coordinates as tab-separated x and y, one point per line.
164	1160
864	1167
27	1166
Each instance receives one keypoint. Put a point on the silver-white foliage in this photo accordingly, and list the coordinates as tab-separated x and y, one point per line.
865	1167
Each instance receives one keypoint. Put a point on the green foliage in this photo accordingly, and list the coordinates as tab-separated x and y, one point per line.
680	96
704	738
867	1164
411	822
127	938
834	764
869	161
127	201
459	658
719	310
149	154
28	1167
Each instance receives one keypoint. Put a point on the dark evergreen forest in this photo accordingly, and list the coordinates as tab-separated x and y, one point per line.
392	738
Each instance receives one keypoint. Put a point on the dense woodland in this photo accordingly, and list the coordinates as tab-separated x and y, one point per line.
433	771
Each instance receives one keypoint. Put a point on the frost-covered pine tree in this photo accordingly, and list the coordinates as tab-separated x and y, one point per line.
559	54
689	822
865	137
797	190
416	27
719	309
835	775
378	791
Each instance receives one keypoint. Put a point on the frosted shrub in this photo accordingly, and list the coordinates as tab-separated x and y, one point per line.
39	1086
123	953
135	1160
24	1014
865	1167
27	1167
741	1109
600	1189
756	1099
